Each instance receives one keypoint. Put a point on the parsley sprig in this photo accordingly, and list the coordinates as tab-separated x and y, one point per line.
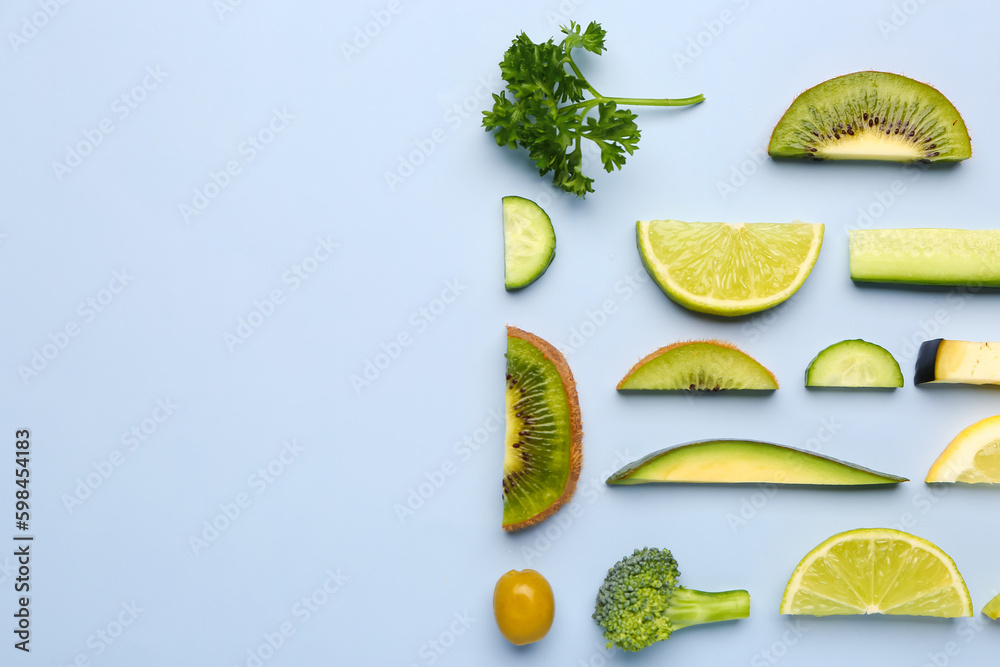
548	112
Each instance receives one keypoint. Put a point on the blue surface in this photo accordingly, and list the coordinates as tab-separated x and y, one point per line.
297	267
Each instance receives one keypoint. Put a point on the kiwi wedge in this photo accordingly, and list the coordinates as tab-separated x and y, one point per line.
543	446
698	365
872	116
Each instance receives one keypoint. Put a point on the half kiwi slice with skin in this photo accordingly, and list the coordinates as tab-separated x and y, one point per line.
698	365
872	116
543	445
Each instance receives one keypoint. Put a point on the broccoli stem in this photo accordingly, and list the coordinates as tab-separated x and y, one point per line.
689	607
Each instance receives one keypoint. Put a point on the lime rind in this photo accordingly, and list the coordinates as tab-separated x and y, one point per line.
877	571
728	269
529	242
972	457
854	364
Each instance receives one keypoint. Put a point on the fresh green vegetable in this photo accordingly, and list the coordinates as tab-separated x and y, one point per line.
640	602
926	256
529	242
854	363
548	112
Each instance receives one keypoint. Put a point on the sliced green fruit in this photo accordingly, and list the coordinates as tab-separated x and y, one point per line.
543	450
728	269
877	571
746	462
973	457
943	361
854	363
872	116
992	608
529	242
926	256
698	365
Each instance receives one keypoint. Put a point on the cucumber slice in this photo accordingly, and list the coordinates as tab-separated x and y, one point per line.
854	363
529	242
926	256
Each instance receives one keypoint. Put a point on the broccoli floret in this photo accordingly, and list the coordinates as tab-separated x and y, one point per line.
641	603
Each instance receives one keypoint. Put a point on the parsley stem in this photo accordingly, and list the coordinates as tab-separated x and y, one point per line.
638	101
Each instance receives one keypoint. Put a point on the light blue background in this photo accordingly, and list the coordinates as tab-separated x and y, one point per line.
413	579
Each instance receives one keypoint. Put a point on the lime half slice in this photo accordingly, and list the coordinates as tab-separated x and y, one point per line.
729	269
877	571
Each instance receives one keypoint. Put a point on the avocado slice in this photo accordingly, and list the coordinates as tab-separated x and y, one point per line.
746	462
957	362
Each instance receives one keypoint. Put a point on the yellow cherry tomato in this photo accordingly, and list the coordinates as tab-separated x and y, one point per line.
523	606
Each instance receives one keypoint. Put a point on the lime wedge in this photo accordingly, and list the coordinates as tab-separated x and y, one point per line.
529	242
877	571
728	269
973	457
992	608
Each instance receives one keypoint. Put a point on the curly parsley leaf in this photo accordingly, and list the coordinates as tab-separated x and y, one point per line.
548	111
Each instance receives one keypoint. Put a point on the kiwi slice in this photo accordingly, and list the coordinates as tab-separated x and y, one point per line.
543	451
698	365
872	116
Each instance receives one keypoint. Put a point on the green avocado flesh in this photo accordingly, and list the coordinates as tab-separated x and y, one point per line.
698	366
926	256
746	462
872	116
854	363
538	443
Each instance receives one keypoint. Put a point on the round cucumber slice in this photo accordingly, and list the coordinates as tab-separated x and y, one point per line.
529	242
854	363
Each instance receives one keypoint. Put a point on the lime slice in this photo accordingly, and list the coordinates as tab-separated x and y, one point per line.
529	242
877	571
728	269
973	457
992	608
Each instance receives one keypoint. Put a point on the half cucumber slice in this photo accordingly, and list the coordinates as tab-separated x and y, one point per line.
854	363
529	242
